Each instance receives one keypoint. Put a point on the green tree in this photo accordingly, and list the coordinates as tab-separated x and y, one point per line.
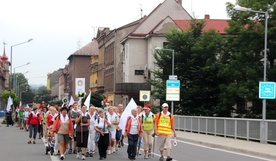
42	94
196	64
243	61
6	94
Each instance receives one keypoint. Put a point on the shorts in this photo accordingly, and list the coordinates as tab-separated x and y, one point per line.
118	134
63	138
164	142
113	134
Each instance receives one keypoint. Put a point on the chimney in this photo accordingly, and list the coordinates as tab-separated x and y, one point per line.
207	17
180	2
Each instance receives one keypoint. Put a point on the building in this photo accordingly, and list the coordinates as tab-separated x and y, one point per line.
53	79
4	76
78	68
63	84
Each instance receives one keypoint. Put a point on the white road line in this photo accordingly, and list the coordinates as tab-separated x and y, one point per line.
53	158
152	153
227	151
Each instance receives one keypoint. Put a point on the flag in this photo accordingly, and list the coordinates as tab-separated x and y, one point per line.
20	105
27	106
9	103
71	102
127	112
87	100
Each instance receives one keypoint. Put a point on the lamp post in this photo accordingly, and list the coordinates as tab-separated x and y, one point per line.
17	84
14	77
171	50
11	55
263	127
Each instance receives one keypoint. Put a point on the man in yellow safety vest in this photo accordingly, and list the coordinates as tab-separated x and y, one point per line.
164	127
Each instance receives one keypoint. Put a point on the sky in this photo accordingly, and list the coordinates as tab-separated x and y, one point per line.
60	27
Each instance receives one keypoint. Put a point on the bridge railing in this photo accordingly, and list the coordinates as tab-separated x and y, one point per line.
238	128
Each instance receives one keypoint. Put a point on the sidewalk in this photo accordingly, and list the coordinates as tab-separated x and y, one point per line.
242	146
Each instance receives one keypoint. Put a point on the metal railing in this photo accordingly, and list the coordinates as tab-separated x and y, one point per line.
237	128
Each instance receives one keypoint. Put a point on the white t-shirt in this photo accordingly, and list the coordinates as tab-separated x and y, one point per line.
26	115
101	124
113	118
134	126
92	121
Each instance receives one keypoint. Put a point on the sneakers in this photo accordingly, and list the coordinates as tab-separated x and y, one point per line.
168	158
62	157
83	157
161	158
70	151
33	142
29	142
75	151
78	156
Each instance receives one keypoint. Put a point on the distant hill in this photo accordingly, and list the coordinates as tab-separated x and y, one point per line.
36	86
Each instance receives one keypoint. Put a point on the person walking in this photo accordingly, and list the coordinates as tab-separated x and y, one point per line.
91	137
64	128
133	130
147	119
33	121
21	118
73	113
164	127
9	118
119	133
44	122
114	119
82	131
26	115
102	133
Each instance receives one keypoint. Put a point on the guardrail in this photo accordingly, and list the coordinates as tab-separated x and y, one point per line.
238	128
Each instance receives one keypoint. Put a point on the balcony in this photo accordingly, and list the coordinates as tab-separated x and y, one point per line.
131	88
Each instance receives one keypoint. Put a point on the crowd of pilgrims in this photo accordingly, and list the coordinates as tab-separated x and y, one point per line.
80	130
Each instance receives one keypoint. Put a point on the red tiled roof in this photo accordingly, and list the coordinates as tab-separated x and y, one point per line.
218	25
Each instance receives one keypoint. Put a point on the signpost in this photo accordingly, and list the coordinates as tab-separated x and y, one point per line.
172	90
267	90
144	96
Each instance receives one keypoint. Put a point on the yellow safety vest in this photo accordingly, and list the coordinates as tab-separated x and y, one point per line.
164	125
148	123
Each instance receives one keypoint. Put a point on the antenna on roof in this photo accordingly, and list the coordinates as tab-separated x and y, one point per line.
79	44
4	43
141	10
94	30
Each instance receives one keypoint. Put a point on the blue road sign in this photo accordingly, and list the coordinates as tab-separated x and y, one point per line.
267	90
173	83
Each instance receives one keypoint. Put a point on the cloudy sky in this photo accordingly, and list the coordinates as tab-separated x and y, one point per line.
60	27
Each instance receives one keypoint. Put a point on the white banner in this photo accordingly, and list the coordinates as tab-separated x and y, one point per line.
80	85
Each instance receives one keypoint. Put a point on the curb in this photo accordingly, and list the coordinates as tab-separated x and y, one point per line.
239	150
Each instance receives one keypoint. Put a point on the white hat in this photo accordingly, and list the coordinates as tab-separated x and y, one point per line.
165	105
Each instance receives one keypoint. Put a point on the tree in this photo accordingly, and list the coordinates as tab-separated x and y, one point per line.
243	65
6	94
197	66
42	94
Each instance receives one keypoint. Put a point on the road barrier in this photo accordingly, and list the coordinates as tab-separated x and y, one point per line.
238	128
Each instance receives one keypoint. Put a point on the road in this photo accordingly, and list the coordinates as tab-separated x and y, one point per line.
14	147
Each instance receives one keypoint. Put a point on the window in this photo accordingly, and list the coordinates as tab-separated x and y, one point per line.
139	72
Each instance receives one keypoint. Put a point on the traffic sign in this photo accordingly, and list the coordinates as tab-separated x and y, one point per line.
172	90
267	90
144	96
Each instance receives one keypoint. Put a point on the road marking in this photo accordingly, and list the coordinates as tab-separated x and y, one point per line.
153	153
53	158
227	151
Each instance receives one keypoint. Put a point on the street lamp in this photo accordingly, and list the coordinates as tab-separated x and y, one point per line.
171	50
244	9
17	83
11	54
14	77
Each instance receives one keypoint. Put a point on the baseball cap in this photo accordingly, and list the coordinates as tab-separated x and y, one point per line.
165	105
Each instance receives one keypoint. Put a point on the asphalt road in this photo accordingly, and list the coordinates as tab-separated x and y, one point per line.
14	147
